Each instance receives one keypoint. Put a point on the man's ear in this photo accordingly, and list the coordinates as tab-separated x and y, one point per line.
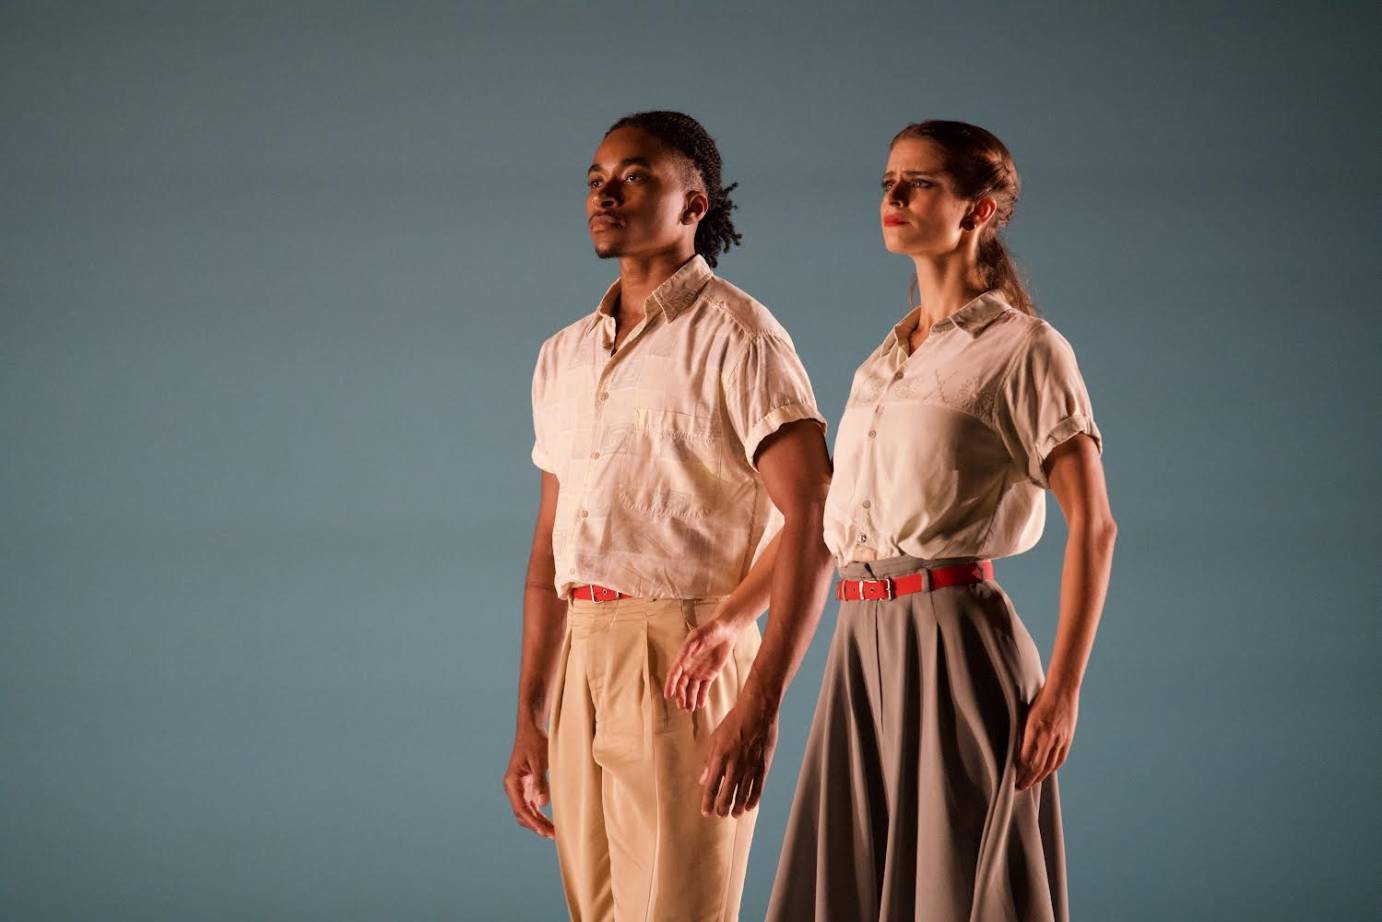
697	204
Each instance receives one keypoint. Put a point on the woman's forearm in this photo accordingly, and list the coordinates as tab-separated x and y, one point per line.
1084	585
750	598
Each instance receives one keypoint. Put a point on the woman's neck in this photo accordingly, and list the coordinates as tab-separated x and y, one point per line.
945	285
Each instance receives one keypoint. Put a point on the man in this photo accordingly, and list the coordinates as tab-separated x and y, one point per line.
675	428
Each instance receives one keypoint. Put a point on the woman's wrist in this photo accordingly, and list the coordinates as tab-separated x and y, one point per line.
1061	682
733	616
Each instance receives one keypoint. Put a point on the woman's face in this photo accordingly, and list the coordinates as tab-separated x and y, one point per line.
920	213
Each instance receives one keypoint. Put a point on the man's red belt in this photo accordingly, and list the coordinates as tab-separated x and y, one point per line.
592	593
890	587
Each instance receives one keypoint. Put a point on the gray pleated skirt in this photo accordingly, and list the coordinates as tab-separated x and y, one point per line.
906	807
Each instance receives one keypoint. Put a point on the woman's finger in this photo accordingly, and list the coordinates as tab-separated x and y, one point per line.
682	683
1033	756
702	693
1053	761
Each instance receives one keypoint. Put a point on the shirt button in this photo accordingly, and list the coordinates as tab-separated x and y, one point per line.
867	504
594	454
571	572
863	539
604	395
581	514
873	433
897	376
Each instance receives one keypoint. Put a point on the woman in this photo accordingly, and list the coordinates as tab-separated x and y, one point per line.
928	788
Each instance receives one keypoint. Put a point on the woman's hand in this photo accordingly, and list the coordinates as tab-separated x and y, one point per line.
703	654
1047	735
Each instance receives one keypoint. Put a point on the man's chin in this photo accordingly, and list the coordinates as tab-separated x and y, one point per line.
607	250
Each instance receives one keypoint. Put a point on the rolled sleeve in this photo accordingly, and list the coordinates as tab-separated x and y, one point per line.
767	389
1045	403
541	453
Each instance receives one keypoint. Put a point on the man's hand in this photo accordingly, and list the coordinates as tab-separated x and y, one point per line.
741	750
525	781
703	654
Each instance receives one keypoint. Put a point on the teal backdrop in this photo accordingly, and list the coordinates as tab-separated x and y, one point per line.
272	280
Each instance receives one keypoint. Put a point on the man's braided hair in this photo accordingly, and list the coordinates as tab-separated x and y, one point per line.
715	234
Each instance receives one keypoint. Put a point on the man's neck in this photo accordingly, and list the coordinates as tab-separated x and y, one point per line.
639	277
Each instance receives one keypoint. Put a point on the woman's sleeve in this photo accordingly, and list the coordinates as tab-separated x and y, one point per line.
1043	402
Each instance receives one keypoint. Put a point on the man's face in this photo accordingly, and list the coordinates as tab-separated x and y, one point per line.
642	197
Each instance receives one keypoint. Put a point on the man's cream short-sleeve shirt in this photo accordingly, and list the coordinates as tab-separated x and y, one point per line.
653	446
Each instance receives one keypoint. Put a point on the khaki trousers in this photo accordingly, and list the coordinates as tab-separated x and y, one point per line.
625	764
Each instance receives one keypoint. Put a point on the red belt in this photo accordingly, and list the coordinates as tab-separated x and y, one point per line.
890	587
592	593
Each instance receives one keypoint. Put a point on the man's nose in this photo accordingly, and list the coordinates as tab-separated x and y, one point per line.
608	194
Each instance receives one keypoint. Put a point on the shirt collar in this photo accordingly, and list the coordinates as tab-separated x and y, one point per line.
676	293
972	318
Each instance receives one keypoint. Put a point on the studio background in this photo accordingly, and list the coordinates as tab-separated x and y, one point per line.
273	279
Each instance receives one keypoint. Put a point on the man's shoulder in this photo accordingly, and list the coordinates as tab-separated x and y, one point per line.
742	311
568	335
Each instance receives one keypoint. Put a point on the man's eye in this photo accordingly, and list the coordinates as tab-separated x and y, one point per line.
887	184
634	177
592	183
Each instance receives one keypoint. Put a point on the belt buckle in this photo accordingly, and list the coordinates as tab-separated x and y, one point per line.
885	582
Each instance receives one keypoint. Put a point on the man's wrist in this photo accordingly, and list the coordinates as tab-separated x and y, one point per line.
530	719
762	693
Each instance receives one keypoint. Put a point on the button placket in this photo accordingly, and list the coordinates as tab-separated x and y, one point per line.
864	519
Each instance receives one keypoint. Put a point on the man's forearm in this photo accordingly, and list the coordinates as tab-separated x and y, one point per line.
799	579
544	620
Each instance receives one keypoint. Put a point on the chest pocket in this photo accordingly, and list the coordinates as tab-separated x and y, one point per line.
670	463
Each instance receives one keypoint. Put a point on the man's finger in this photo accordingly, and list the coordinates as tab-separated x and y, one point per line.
522	810
535	788
743	791
710	777
726	795
538	821
757	792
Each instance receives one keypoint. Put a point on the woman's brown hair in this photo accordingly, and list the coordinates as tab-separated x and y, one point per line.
979	165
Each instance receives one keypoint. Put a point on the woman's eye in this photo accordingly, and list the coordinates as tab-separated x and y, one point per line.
920	184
